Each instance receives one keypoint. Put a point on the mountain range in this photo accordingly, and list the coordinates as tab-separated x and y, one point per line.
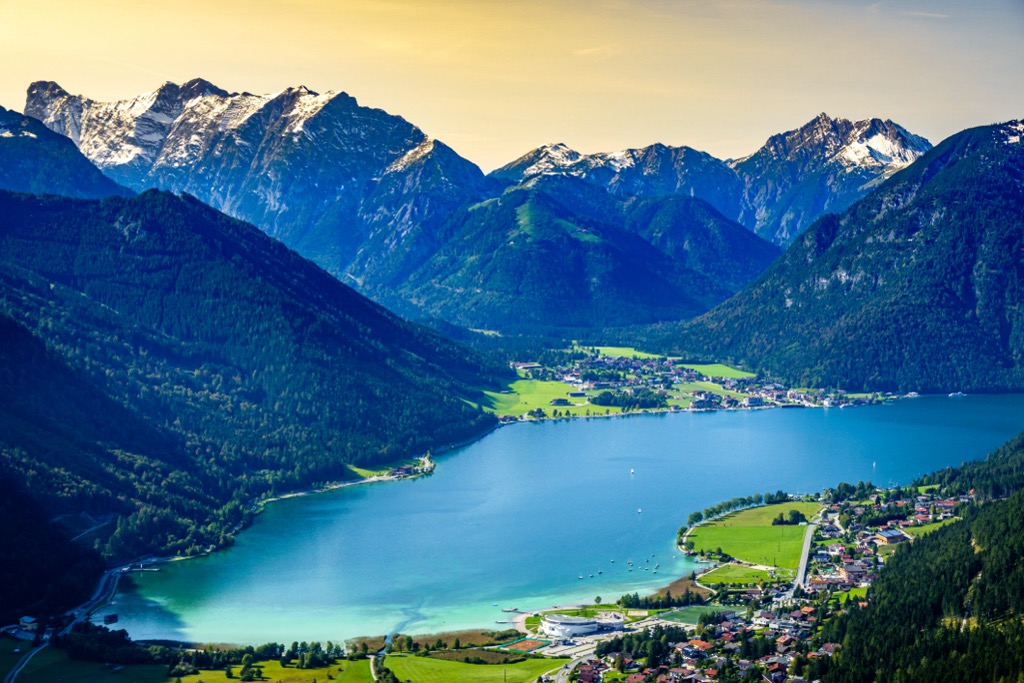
919	286
377	203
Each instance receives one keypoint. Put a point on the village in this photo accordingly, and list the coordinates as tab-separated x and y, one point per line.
598	381
768	631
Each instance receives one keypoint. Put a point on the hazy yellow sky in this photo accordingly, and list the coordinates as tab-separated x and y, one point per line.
494	79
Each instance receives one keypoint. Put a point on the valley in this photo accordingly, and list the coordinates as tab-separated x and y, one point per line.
294	388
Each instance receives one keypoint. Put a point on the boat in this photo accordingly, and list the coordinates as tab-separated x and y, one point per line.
631	471
600	571
581	576
639	510
957	394
509	609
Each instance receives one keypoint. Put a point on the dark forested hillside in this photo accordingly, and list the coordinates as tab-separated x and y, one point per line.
950	606
35	159
553	254
173	363
919	286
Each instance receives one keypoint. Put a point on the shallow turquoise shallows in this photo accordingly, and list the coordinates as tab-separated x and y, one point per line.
516	518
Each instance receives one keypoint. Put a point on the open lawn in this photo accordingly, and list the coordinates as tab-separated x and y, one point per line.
734	574
528	394
924	529
53	666
623	352
8	656
689	615
429	670
857	593
709	387
719	370
748	535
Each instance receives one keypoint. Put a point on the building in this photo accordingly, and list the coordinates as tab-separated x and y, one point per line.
30	624
890	536
562	626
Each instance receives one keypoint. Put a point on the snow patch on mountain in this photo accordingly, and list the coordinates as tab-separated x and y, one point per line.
1012	132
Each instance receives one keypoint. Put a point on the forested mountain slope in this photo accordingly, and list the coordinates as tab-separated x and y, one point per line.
920	286
37	160
183	363
949	606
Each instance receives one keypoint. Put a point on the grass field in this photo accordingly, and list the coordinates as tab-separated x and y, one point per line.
53	666
710	387
854	594
719	370
689	615
623	352
924	529
528	394
748	535
428	670
734	574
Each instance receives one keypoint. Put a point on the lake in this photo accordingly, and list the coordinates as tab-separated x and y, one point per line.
516	518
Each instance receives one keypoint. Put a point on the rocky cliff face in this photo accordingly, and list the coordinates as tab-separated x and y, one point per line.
305	167
822	167
777	192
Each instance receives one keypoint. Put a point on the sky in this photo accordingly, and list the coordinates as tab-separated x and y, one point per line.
494	79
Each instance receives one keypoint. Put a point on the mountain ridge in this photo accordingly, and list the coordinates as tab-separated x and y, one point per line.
917	287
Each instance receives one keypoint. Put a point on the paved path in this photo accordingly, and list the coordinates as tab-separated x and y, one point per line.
563	674
13	673
801	573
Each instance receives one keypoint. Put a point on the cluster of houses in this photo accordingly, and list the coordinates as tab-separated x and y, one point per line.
703	658
780	641
594	373
854	553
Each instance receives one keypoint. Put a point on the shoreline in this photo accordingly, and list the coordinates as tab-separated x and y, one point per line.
382	478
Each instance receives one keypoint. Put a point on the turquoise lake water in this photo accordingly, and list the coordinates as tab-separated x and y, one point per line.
515	518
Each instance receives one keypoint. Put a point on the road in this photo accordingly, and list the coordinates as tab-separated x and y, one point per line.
16	669
105	588
801	573
563	674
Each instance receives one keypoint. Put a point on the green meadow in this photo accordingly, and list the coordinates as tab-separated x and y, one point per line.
748	535
528	394
53	666
924	529
430	670
719	370
735	574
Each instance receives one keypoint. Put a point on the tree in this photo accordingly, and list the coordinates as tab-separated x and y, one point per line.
597	600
